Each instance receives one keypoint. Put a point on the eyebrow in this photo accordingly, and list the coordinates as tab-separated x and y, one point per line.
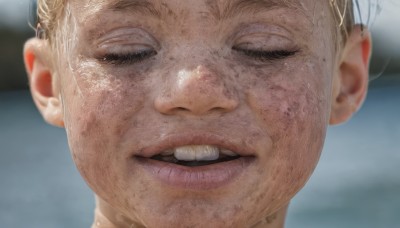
135	6
237	7
230	9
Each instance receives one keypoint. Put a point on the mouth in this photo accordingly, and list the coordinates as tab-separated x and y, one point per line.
196	155
196	167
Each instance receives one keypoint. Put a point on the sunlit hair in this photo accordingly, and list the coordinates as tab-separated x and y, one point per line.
50	13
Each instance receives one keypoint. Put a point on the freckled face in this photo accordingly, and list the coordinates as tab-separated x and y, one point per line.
249	75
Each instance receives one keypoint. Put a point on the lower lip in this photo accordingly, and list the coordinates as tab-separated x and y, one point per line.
196	178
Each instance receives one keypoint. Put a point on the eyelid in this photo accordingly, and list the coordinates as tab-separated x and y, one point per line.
127	58
124	48
260	28
127	36
263	36
264	46
264	42
264	56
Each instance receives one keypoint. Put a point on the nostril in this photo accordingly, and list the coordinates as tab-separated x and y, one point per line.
181	109
203	111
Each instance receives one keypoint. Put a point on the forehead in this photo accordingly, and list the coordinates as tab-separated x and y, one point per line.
219	9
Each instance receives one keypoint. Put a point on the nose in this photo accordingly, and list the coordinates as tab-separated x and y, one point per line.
196	92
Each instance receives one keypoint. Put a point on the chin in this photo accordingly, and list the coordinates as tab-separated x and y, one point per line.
189	218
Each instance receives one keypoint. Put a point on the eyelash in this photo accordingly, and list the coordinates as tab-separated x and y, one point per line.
136	57
265	56
128	58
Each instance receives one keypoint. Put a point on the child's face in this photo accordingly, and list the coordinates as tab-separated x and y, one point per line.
140	79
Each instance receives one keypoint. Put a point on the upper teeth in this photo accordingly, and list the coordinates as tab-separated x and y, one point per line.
198	153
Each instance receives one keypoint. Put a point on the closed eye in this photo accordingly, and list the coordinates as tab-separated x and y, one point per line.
127	58
266	55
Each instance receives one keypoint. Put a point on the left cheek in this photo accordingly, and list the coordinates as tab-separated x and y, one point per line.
290	108
294	113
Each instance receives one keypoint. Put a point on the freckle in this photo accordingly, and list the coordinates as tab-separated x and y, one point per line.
260	171
119	132
184	32
89	123
216	215
260	197
169	11
254	83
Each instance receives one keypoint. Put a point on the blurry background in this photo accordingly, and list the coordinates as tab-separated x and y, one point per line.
356	184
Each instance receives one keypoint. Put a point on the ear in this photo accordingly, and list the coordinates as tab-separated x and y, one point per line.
350	83
42	81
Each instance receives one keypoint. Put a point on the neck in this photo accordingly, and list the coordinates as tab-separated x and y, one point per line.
107	217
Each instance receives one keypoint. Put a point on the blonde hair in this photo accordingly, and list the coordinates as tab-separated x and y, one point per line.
50	13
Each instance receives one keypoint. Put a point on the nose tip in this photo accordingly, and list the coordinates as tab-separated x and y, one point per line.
196	92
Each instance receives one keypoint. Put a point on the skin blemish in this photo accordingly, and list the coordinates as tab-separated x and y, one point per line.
88	124
213	8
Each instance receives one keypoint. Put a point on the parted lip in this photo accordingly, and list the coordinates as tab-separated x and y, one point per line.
172	141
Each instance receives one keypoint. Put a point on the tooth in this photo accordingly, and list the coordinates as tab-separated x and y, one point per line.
185	153
228	153
198	153
207	153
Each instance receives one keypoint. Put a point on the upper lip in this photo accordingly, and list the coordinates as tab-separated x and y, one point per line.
185	139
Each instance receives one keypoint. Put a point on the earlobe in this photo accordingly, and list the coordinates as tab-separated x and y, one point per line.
350	85
42	81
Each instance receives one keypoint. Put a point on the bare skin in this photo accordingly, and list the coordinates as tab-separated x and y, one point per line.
261	79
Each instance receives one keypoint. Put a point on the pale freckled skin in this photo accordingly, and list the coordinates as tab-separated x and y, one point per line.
280	108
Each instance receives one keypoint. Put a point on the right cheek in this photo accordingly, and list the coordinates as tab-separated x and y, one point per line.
85	132
89	149
81	133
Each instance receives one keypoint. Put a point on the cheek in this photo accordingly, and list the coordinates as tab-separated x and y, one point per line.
293	107
96	113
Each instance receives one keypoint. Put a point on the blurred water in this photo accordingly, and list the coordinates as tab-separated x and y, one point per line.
356	184
40	186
